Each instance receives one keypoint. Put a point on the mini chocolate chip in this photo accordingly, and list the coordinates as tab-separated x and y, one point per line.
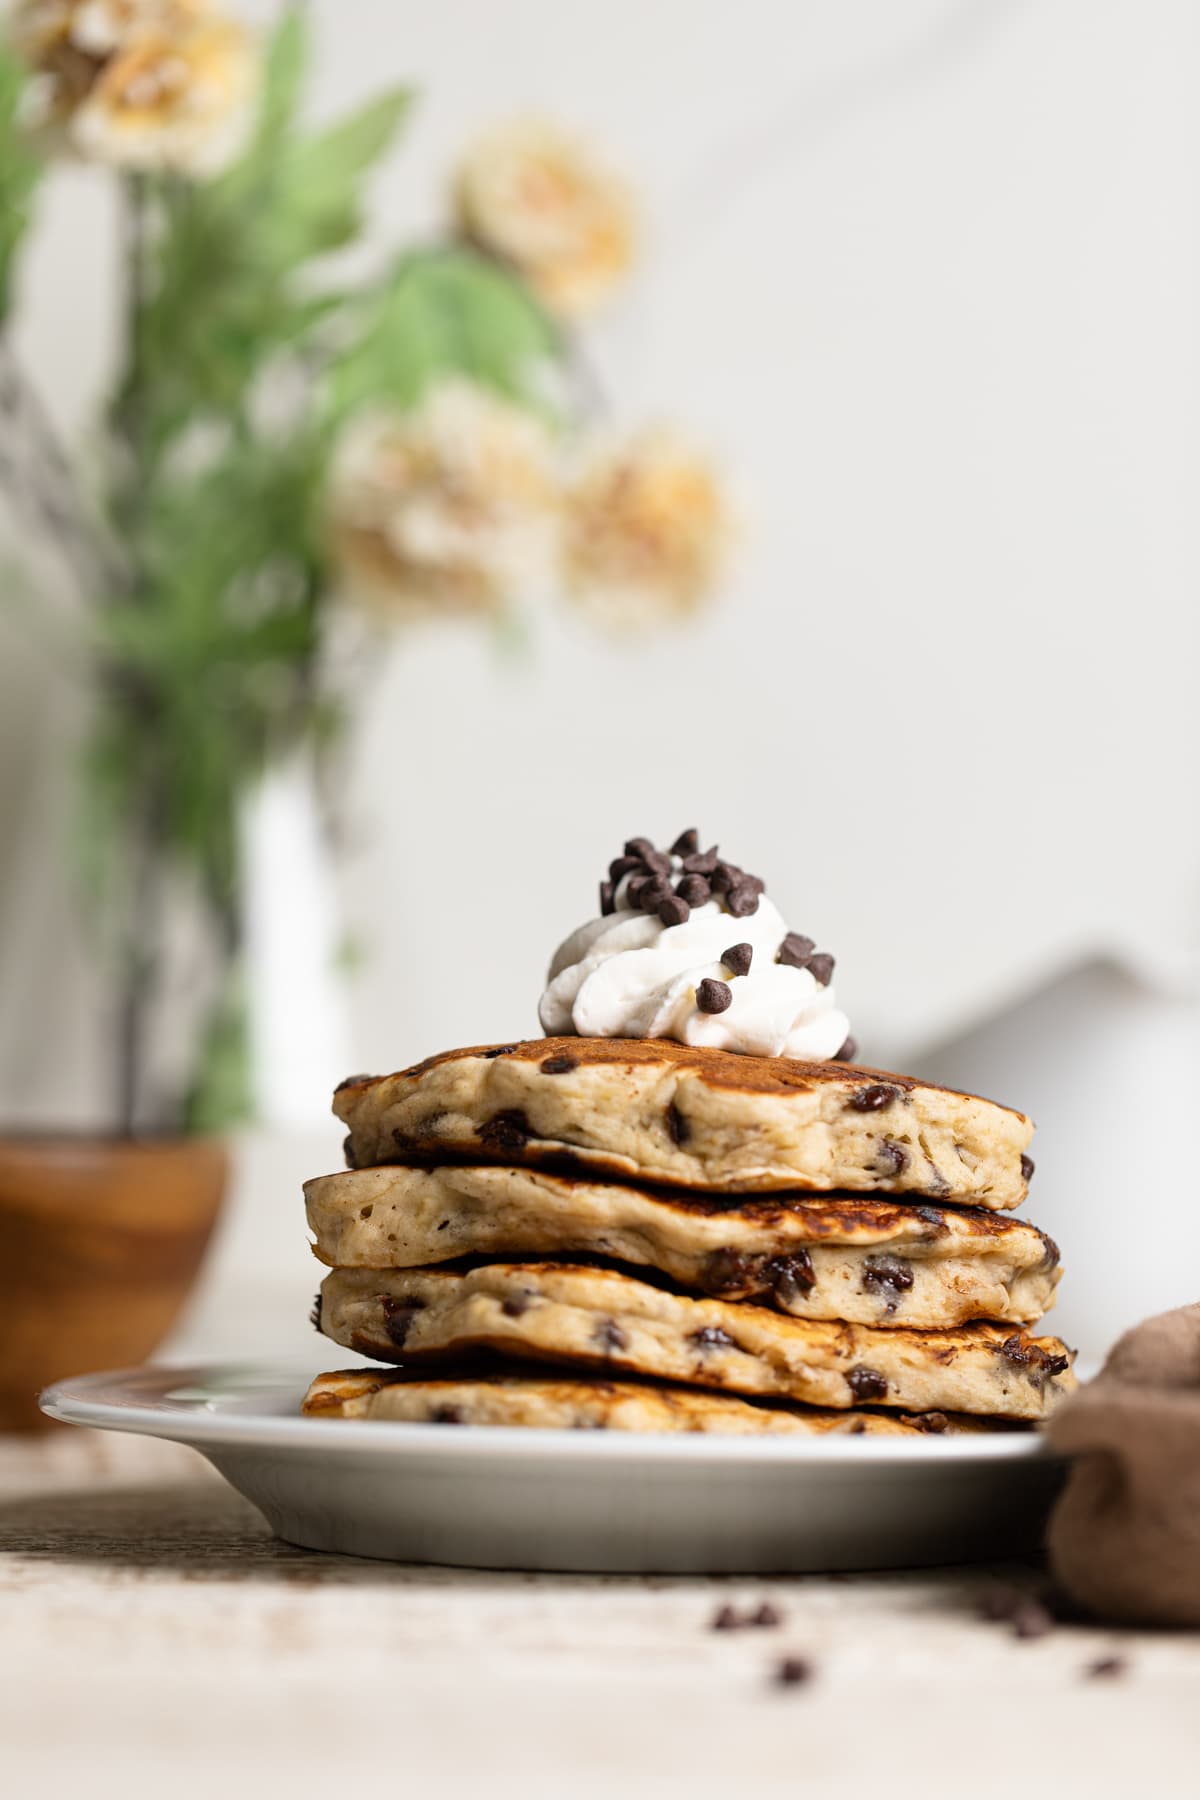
793	1671
674	911
641	847
741	901
821	967
678	1129
559	1065
353	1081
499	1050
858	1429
620	866
507	1131
610	1337
1027	1167
703	863
444	1226
795	950
1041	1365
686	844
694	890
848	1051
1051	1256
711	1337
398	1316
1031	1620
608	904
934	1422
766	1616
725	1270
726	1619
867	1384
737	958
314	1317
791	1277
890	1158
931	1216
713	996
873	1098
1105	1667
887	1275
514	1306
448	1415
348	1151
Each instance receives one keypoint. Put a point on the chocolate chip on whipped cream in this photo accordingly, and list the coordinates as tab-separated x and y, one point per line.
656	963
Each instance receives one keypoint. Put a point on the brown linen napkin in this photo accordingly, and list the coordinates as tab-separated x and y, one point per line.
1125	1535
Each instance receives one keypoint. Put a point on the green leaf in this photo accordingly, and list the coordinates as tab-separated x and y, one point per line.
19	170
447	312
285	66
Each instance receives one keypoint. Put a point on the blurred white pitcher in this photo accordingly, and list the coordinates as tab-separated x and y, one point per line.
1106	1059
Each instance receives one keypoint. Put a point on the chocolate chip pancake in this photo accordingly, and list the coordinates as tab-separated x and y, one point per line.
602	1318
556	1404
661	1111
867	1260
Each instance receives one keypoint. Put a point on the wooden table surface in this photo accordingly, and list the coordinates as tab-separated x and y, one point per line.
154	1639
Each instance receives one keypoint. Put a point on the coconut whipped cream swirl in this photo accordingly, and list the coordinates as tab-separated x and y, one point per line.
688	946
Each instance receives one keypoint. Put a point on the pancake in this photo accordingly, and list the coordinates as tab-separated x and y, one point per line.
561	1404
866	1260
602	1318
655	1110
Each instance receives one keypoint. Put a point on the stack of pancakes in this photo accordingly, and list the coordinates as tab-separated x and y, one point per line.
642	1235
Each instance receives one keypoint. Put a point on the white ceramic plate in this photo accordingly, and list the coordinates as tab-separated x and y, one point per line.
495	1497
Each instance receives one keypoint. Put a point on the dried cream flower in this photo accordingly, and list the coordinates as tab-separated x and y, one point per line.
646	530
449	507
530	194
140	84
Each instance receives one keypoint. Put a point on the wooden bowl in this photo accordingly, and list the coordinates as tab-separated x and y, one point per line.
100	1244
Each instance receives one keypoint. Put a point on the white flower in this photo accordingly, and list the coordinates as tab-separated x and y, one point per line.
140	84
451	506
532	195
646	531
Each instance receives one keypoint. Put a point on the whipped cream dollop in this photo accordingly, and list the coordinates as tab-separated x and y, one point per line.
650	966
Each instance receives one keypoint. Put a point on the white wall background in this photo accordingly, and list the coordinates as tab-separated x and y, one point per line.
925	273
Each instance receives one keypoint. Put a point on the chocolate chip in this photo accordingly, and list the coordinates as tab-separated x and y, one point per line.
848	1051
726	1619
931	1216
620	866
694	890
659	863
737	958
610	1337
445	1225
711	1337
559	1065
348	1151
448	1415
314	1317
1027	1167
1040	1365
702	863
890	1276
820	967
726	1270
678	1129
1031	1620
637	886
890	1158
791	1277
723	877
873	1098
793	1671
858	1429
353	1081
1051	1256
867	1384
1106	1667
932	1422
686	844
508	1131
398	1316
608	904
514	1306
499	1050
766	1617
795	950
741	901
641	847
673	911
713	996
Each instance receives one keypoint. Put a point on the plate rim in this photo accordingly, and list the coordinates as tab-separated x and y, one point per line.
71	1401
